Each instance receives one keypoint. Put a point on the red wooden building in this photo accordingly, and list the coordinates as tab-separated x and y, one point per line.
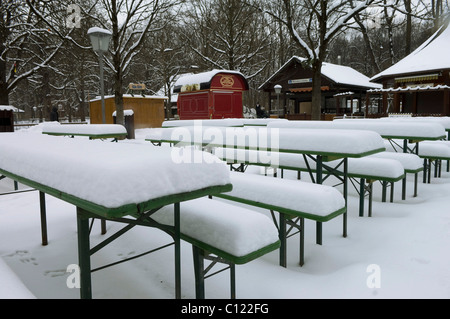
215	94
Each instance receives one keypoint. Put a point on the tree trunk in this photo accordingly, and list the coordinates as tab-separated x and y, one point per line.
316	104
118	99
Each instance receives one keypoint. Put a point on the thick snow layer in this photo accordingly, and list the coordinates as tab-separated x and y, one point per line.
337	73
316	199
443	120
432	55
409	161
88	129
236	230
438	149
105	173
348	142
11	287
384	128
204	77
401	252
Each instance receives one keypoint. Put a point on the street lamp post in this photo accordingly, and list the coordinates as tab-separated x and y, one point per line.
100	42
277	89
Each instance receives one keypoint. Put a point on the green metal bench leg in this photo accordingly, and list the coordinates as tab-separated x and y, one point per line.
302	241
404	188
198	272
319	181
392	192
370	198
43	218
362	192
416	178
319	233
177	240
232	281
283	241
84	259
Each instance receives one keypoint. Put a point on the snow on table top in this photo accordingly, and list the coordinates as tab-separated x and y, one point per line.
85	129
233	229
320	200
108	174
418	130
312	141
443	120
434	149
409	161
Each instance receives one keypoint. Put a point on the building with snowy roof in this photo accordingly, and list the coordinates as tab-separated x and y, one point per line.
214	94
420	82
343	89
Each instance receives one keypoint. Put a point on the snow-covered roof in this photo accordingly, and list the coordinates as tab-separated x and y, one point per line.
339	74
202	79
10	108
432	55
137	96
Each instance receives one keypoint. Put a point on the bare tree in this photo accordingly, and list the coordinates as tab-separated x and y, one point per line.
313	24
129	22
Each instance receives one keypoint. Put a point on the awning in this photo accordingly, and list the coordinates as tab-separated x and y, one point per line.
308	89
427	77
411	89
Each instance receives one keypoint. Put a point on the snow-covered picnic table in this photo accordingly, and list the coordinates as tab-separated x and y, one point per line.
392	130
93	131
326	143
314	145
114	181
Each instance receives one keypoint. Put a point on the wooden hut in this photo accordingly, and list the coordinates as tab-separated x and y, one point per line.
343	90
215	94
420	82
148	110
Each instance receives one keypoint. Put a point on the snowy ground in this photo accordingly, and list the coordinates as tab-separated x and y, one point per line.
400	252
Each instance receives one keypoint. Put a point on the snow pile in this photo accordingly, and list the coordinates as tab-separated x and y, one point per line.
410	162
428	130
86	129
104	173
299	196
236	230
326	141
11	287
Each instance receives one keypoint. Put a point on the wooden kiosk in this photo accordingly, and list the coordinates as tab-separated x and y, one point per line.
148	110
215	94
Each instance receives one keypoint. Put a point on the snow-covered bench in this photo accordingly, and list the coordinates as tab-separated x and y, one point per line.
433	152
93	131
222	233
120	182
293	200
410	162
366	169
